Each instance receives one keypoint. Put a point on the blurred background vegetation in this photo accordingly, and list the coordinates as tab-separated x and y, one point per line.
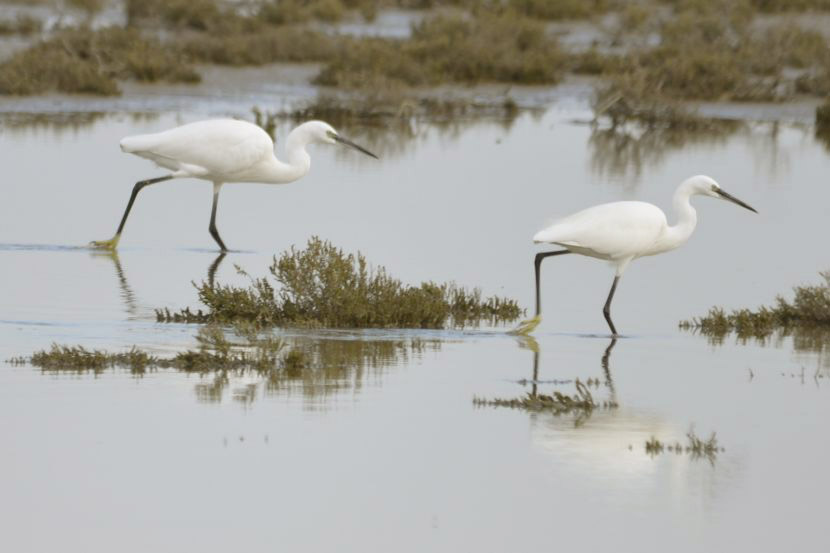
679	49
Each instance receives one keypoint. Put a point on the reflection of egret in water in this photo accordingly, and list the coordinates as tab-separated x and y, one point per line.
609	382
211	272
127	294
607	451
131	304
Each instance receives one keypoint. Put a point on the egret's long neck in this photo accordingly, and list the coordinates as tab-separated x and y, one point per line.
678	233
275	171
295	152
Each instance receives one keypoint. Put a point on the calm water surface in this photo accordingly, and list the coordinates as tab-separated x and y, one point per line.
386	451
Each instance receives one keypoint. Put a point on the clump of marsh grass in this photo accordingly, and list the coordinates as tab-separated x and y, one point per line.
321	286
280	12
91	61
23	24
491	47
810	308
654	446
696	447
777	6
261	46
559	9
78	359
211	16
582	404
711	50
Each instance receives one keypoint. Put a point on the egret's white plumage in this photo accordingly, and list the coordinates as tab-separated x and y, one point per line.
226	151
615	232
620	232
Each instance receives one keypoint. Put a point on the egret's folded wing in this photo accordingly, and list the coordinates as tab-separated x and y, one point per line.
222	147
612	230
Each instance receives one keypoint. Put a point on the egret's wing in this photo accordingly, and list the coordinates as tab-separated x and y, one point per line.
613	231
219	147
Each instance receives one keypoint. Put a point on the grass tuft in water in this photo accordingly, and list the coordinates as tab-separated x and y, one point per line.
696	447
491	47
810	309
79	359
23	24
699	447
321	286
654	446
91	61
581	404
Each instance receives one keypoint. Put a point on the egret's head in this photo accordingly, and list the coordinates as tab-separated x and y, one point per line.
323	133
707	186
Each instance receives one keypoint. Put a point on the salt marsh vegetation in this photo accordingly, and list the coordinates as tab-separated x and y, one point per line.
321	286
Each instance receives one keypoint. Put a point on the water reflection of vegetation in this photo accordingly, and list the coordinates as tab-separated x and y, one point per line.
249	363
696	447
61	121
581	405
626	149
391	123
321	286
822	128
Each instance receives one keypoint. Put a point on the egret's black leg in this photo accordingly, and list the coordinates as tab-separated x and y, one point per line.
112	243
607	309
212	227
537	264
136	189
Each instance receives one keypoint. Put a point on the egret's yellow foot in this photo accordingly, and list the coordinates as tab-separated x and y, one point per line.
110	244
528	326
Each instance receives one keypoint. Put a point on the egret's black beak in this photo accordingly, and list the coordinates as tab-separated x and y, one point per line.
734	200
351	144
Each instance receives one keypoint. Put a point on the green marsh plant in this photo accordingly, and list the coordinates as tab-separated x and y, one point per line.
321	286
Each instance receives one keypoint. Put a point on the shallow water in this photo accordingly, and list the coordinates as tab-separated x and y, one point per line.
386	451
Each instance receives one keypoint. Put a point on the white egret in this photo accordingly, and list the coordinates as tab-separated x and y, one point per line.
620	232
224	151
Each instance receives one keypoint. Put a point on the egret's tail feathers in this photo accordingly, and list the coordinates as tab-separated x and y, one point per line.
546	236
137	143
527	326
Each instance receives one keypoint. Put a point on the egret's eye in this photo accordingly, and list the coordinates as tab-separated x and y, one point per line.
331	134
714	188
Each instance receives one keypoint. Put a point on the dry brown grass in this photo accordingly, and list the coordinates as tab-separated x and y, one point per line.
91	62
